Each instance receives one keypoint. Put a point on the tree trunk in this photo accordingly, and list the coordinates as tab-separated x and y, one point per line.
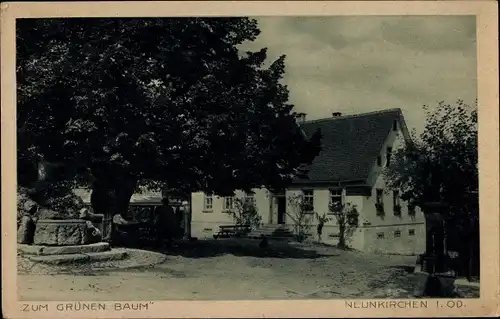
341	243
102	202
110	199
187	220
123	193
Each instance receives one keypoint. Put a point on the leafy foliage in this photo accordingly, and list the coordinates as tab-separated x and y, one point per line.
162	103
246	213
347	217
441	164
411	210
322	220
301	214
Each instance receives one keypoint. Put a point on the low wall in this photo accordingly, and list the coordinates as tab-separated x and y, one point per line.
66	232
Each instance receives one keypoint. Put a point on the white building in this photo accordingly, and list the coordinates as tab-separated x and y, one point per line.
355	149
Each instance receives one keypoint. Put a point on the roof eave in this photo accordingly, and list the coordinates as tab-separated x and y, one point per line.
330	182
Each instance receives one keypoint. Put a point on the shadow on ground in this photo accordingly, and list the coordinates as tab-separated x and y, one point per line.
404	268
240	247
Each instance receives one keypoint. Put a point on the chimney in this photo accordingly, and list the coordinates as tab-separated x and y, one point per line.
301	118
336	114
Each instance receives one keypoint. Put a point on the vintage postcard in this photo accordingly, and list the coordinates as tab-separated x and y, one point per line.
250	159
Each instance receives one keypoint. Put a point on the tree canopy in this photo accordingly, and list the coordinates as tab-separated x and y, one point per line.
441	164
158	102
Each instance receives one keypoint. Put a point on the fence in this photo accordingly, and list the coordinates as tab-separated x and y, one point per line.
141	231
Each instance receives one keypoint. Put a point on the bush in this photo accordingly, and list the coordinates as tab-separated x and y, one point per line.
347	219
246	213
300	214
52	201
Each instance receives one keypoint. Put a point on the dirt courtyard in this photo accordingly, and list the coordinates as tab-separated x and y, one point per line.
231	269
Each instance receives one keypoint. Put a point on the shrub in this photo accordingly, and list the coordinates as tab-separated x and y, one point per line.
300	213
246	213
347	217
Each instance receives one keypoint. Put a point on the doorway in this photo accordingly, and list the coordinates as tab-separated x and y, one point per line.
281	209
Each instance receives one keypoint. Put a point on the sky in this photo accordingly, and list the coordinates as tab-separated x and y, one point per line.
356	64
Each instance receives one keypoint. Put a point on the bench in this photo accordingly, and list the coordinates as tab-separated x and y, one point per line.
228	231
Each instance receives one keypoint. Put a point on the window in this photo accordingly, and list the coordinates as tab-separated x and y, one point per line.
379	205
208	202
379	160
380	196
380	236
389	153
395	125
395	203
309	199
228	202
395	198
397	234
411	210
335	198
411	232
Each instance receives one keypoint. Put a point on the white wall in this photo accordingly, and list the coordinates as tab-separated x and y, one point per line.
395	140
388	223
330	234
388	218
205	223
405	244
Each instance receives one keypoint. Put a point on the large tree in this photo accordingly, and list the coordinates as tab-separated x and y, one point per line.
441	165
159	102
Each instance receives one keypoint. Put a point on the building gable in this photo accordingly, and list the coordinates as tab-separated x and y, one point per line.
350	145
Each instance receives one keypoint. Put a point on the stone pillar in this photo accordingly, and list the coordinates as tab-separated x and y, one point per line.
433	281
434	257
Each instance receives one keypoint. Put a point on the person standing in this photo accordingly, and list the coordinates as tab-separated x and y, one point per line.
164	223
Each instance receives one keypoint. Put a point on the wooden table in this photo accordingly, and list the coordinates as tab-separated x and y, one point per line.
227	231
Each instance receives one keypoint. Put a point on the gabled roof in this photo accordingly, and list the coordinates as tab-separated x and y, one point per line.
350	145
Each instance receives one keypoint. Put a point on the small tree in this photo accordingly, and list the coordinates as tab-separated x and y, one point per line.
246	213
322	220
301	215
347	217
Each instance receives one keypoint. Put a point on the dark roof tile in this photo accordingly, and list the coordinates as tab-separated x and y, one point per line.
350	145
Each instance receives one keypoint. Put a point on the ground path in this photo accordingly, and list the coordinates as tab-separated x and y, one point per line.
234	269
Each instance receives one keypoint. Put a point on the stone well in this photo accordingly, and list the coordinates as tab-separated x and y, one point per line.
67	232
